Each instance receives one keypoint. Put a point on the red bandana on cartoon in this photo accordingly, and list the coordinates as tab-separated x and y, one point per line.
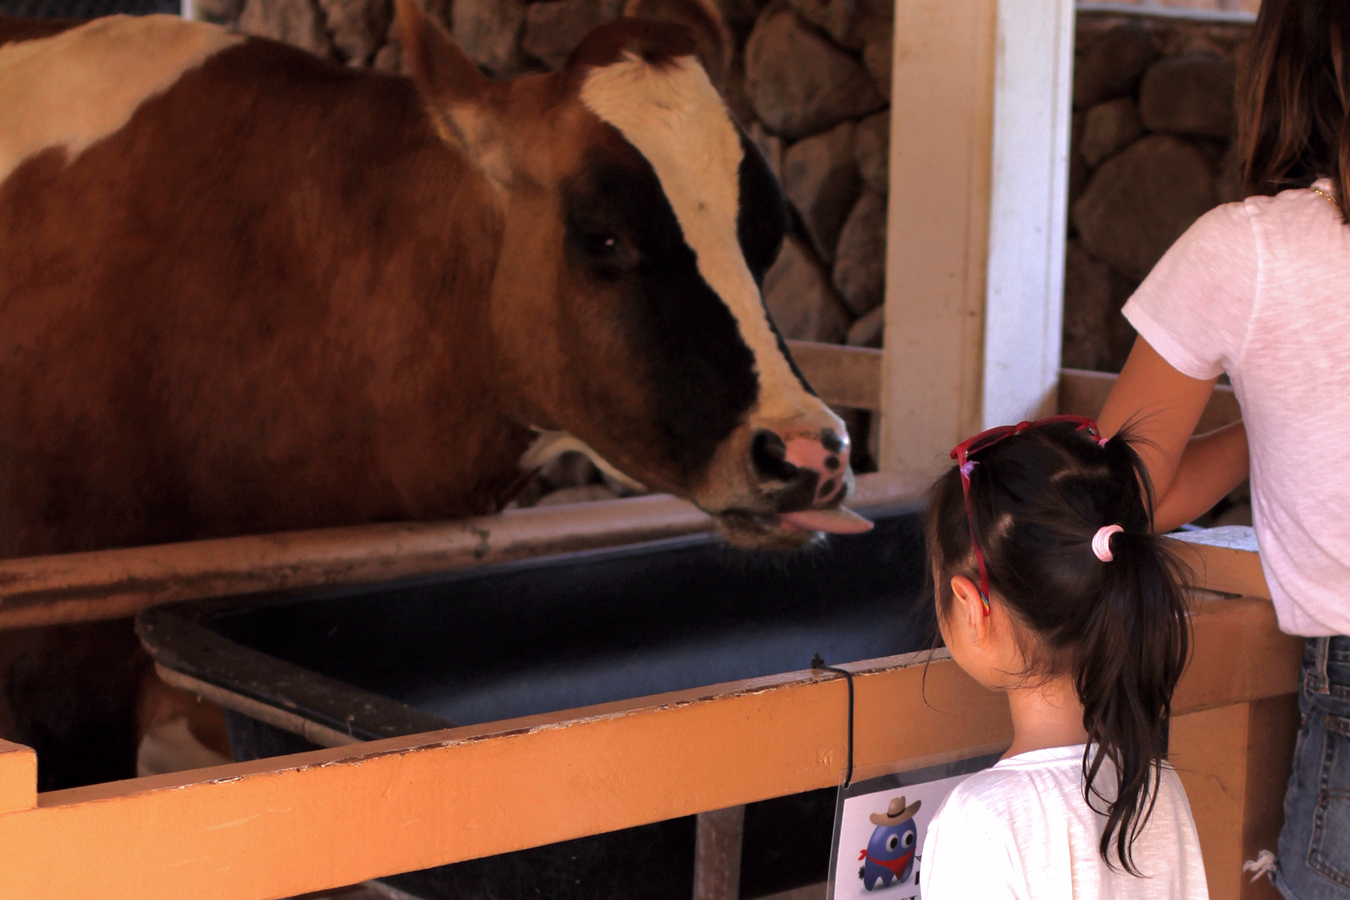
895	865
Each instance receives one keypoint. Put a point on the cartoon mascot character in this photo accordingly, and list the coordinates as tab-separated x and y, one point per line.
889	856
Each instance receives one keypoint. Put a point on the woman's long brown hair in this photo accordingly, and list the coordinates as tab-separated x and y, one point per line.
1294	98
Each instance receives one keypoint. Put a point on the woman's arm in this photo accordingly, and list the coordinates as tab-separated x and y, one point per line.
1162	407
1211	466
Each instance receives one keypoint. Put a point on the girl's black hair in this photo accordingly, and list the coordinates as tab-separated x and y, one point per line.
1120	627
1294	98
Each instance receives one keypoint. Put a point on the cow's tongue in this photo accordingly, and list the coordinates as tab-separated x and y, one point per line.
834	521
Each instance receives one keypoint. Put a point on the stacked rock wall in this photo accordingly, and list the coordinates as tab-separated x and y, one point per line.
1152	150
809	79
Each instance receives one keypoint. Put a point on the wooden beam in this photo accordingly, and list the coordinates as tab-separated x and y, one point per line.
79	587
1234	762
18	777
1209	751
1024	295
1084	393
1225	559
1272	731
937	230
279	827
843	376
718	839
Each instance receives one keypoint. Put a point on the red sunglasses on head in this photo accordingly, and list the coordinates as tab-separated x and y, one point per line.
983	441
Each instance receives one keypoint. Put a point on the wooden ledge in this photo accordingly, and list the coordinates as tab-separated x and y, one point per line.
109	584
1225	560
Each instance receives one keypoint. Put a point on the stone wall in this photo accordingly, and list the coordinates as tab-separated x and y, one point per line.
1152	150
809	79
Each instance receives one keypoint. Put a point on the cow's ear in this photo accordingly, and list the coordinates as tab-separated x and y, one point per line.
703	20
442	71
451	86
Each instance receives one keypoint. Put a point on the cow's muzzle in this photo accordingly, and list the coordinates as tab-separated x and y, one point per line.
805	476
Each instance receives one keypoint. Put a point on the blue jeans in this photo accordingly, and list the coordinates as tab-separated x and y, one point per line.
1314	851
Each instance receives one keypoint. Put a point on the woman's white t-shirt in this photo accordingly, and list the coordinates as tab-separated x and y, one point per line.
1261	290
1023	830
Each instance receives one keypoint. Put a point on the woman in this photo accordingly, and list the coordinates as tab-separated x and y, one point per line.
1260	290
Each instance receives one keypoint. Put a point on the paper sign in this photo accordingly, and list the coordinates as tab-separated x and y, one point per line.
880	823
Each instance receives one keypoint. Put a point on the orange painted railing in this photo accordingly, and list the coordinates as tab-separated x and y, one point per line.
280	827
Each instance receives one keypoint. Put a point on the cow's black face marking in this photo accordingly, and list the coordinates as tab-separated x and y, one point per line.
760	226
762	220
622	234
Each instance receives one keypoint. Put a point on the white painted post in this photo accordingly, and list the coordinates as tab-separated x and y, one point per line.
975	249
1024	297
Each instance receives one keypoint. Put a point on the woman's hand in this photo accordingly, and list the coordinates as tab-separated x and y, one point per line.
1162	407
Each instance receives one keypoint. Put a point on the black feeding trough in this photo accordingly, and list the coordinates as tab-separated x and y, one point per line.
556	633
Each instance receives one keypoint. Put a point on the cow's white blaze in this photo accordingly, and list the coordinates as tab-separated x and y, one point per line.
74	88
674	117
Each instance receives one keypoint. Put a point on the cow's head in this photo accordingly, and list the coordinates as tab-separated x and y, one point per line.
638	223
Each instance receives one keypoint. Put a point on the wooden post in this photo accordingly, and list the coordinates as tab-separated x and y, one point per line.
18	777
980	104
937	230
1234	762
717	854
1028	209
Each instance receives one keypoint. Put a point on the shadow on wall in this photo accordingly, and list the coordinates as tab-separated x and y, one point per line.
86	9
1152	150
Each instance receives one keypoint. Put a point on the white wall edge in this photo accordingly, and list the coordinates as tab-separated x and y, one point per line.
1024	295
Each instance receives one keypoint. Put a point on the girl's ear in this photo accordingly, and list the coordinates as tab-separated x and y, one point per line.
968	609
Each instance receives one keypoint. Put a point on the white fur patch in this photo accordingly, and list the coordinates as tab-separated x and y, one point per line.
74	88
675	118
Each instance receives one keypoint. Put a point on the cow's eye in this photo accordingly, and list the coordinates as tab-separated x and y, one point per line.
892	842
607	253
908	839
600	244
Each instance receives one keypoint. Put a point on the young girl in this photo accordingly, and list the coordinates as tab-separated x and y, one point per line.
1051	587
1261	290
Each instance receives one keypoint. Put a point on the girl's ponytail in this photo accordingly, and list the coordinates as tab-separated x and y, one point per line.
1133	649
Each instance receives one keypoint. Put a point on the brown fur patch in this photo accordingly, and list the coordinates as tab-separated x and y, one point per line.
259	306
74	88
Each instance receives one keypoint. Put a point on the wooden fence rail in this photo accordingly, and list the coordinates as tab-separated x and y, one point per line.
279	827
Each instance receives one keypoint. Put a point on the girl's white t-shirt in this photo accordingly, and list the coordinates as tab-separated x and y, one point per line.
1261	290
1023	830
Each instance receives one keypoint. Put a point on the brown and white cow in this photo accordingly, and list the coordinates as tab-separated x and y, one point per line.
244	290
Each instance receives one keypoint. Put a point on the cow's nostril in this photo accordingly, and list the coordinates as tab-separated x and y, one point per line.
768	452
831	441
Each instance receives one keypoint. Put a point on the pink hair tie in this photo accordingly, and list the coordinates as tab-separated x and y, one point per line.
1101	541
